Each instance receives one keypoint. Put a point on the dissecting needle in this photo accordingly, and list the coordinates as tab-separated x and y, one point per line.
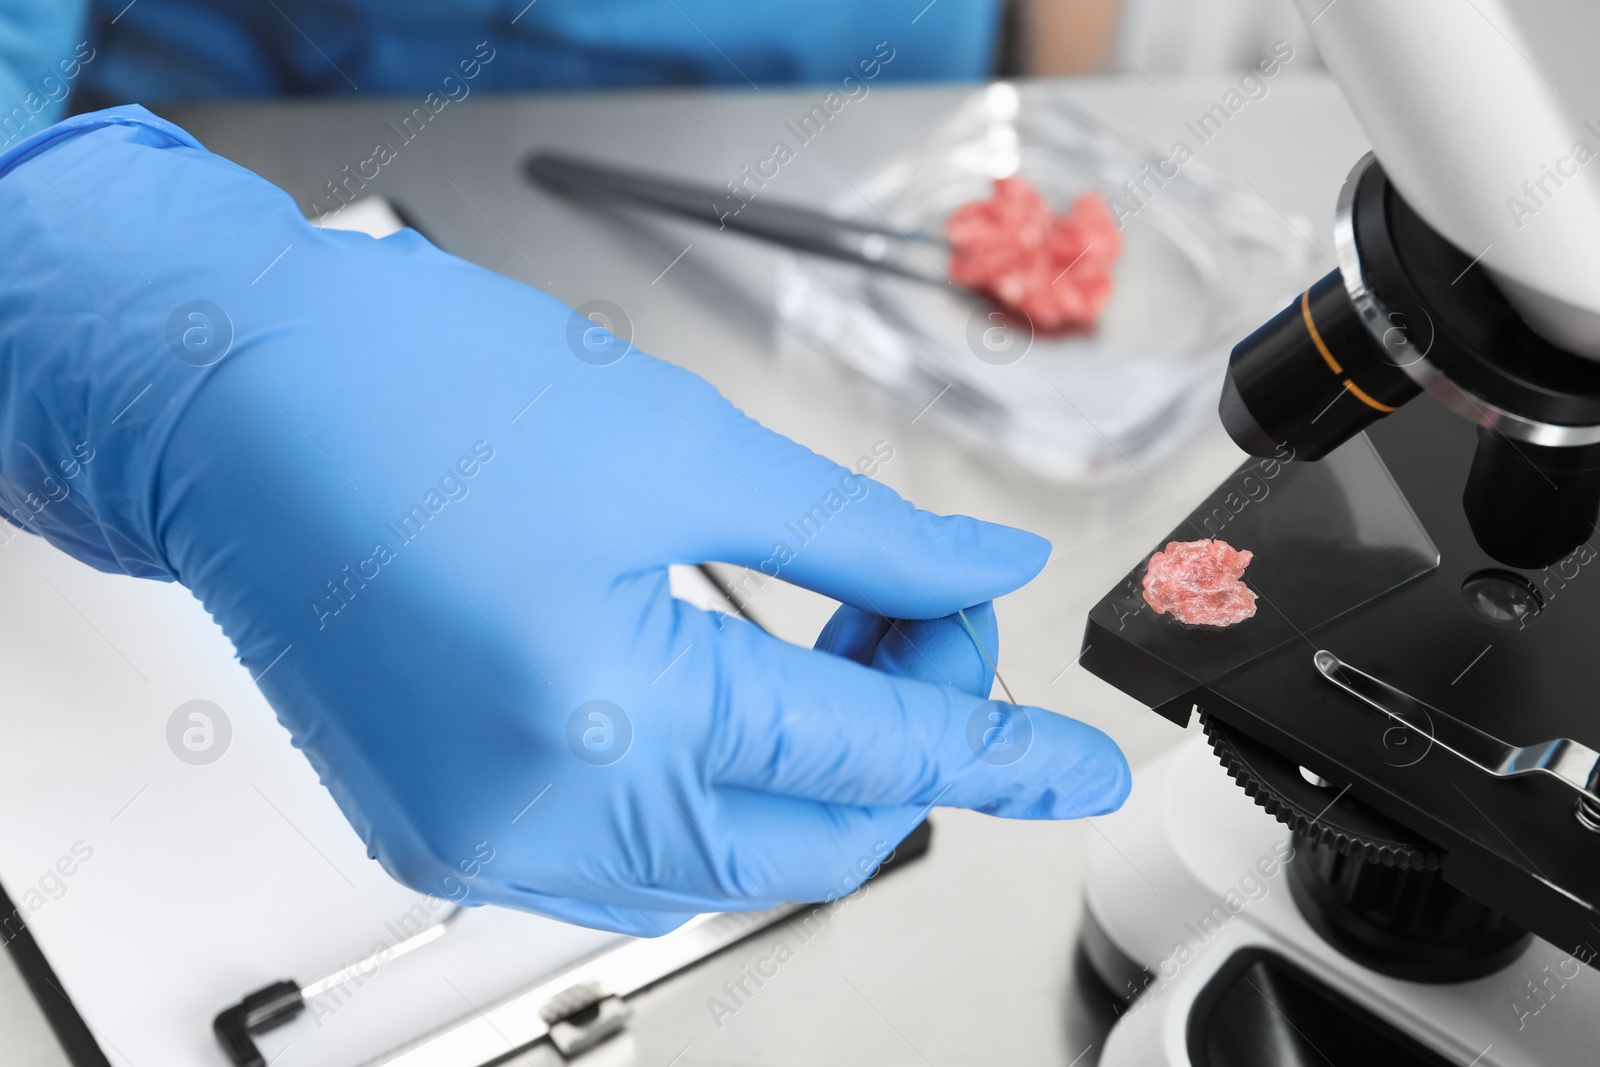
985	653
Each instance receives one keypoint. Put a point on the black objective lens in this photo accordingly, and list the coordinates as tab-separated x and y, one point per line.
1311	378
1531	505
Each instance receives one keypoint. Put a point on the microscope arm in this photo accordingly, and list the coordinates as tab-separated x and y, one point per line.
1486	116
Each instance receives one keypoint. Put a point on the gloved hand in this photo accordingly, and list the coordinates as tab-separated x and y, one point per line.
435	518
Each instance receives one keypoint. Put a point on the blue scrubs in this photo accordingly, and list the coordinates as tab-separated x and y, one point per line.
165	49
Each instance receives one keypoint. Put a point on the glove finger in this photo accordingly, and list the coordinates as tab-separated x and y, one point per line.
754	850
812	725
775	848
941	651
785	512
636	922
853	634
790	849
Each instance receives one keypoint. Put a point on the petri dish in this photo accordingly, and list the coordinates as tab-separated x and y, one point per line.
1203	264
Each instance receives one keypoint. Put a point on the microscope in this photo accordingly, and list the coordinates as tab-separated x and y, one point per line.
1388	850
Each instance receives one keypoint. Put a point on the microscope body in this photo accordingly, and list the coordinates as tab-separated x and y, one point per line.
1424	898
1407	312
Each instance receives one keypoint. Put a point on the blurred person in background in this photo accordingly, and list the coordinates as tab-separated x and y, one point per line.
146	51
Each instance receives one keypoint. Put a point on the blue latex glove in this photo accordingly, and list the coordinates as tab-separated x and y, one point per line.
443	537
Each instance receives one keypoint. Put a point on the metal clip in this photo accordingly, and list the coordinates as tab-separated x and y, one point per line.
1574	765
582	1016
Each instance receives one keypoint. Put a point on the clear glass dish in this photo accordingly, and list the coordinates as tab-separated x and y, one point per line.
1203	264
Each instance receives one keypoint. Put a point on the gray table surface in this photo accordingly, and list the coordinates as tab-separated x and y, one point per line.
967	956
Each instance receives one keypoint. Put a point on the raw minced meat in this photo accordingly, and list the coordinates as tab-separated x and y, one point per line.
1198	582
1056	269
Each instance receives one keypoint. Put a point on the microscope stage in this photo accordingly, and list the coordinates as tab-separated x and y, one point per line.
1515	654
